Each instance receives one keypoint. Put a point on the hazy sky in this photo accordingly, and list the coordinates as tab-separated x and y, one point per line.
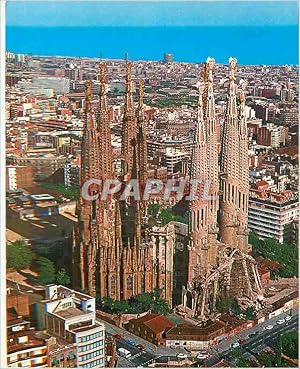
145	13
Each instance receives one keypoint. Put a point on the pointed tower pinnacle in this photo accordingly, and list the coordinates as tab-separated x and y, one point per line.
230	165
129	123
90	150
104	127
212	147
198	207
142	138
244	172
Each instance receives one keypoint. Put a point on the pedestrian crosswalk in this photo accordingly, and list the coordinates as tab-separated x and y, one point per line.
135	356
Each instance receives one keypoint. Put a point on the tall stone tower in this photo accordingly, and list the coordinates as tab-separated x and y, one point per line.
115	253
219	262
97	242
234	171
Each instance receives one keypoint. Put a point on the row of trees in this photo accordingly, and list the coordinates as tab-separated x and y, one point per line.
286	344
148	301
286	254
19	255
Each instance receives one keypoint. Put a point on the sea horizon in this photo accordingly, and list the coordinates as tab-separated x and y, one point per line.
251	45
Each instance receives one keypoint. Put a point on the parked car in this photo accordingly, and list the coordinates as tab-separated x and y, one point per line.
140	347
182	356
268	327
202	355
118	336
287	318
130	342
124	353
280	321
242	341
235	345
251	335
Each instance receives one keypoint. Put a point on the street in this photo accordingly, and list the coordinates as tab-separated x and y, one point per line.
257	343
250	347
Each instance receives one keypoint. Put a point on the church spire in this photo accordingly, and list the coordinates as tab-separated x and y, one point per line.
231	105
244	172
129	123
198	207
104	127
212	146
142	137
230	164
90	149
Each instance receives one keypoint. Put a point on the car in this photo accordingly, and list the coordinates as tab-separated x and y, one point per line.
235	345
268	327
242	341
182	356
130	342
140	347
202	355
118	336
251	335
272	288
280	321
287	318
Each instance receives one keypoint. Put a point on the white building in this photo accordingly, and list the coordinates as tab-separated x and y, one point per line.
59	85
71	316
273	219
173	158
71	174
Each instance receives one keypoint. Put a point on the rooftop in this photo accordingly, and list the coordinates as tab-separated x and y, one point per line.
70	312
157	323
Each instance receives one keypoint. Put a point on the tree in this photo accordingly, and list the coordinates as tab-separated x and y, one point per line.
161	306
46	270
285	254
278	352
153	210
63	278
121	307
249	313
253	239
137	304
108	304
235	307
242	363
19	255
166	216
290	344
266	359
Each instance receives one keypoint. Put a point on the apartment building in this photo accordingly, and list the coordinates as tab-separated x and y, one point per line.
71	174
71	316
24	349
271	214
18	176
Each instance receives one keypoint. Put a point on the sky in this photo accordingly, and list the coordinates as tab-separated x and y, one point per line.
150	13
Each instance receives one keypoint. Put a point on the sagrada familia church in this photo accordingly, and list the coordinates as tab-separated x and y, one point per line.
115	251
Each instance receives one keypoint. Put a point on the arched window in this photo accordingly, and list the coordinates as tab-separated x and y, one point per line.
113	284
130	283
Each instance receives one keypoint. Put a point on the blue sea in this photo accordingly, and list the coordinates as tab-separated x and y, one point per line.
268	45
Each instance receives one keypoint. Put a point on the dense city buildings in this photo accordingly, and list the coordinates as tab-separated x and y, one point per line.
166	277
